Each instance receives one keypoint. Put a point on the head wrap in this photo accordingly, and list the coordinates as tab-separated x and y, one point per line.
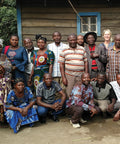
18	80
39	37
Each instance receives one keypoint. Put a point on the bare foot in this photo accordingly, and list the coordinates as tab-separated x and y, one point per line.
117	116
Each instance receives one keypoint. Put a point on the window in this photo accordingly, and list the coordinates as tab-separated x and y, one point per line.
90	21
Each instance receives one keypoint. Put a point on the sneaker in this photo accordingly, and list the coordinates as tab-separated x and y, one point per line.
83	121
77	125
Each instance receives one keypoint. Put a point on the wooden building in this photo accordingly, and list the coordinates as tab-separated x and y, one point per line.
46	16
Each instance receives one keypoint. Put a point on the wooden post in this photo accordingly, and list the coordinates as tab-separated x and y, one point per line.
19	28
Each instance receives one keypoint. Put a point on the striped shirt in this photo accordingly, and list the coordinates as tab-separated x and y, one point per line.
74	60
113	65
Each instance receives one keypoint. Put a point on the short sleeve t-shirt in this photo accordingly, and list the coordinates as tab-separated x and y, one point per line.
48	95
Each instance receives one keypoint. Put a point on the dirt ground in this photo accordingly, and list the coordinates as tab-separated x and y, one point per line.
96	131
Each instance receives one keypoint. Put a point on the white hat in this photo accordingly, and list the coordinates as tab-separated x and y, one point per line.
1	42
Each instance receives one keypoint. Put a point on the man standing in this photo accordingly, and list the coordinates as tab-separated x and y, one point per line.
73	63
57	46
113	65
96	56
28	44
80	40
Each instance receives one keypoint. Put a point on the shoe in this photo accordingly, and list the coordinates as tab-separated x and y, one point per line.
55	118
42	119
83	121
31	124
77	125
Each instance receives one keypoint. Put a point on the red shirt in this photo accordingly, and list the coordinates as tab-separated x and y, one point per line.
94	64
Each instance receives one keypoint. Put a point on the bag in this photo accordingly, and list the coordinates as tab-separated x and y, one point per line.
6	49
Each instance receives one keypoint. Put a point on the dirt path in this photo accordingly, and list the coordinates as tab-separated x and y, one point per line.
97	131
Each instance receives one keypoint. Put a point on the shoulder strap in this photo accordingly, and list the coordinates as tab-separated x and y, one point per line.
6	49
35	58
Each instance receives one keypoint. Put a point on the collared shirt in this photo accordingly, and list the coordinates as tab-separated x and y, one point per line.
105	92
48	95
74	60
81	96
116	88
113	65
57	50
28	67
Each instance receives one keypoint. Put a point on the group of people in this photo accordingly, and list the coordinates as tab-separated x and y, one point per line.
78	78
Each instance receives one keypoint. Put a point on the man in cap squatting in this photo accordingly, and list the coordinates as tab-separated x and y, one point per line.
96	55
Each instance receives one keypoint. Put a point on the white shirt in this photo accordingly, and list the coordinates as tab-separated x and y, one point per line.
28	67
57	50
116	88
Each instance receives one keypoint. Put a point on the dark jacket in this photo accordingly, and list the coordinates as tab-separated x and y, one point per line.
101	61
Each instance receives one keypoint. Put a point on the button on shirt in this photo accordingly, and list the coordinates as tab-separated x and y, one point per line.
48	95
57	50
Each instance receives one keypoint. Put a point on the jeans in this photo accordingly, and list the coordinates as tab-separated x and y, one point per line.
42	111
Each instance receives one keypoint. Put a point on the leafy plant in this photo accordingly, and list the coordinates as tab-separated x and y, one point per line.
8	20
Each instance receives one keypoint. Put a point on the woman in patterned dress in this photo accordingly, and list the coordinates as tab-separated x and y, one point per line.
19	106
42	59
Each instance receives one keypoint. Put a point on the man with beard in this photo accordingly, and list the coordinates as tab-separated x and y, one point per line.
57	46
81	101
113	65
96	55
46	101
28	44
73	63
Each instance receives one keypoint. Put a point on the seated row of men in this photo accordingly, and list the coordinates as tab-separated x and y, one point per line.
93	97
87	99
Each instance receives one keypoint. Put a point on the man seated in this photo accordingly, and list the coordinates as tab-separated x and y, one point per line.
80	101
45	94
116	87
104	95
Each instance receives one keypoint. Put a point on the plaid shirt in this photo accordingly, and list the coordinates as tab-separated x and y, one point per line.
81	96
113	65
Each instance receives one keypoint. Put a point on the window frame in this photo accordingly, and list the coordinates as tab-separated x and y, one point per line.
97	14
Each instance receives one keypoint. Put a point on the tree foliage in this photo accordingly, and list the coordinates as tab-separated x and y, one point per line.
8	20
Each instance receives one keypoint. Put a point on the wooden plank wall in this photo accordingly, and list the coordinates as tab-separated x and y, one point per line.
45	21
